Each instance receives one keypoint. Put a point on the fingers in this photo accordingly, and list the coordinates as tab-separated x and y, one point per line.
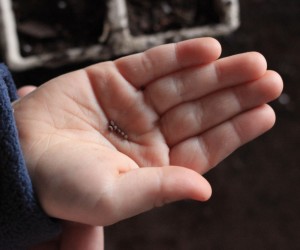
142	68
193	83
143	189
196	117
203	152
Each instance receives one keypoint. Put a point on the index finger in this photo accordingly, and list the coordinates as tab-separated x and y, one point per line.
143	68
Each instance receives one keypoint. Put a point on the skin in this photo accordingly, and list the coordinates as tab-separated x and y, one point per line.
183	109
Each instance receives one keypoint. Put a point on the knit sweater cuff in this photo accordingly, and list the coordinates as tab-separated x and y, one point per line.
22	220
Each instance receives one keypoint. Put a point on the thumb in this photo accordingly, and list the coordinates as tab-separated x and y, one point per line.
142	189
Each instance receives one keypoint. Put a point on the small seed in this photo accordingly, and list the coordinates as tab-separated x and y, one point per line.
110	128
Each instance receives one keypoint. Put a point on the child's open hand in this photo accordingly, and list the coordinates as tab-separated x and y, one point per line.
179	112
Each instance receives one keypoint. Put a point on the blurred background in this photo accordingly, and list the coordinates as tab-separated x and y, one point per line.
256	201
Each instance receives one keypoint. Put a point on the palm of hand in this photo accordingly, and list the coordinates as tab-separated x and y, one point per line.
87	173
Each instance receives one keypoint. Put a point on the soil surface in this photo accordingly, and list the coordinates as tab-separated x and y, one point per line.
56	25
256	201
148	17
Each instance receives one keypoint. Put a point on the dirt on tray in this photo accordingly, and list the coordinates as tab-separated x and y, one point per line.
56	25
149	17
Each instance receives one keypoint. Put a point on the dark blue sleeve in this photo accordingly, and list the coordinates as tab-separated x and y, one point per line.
22	221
